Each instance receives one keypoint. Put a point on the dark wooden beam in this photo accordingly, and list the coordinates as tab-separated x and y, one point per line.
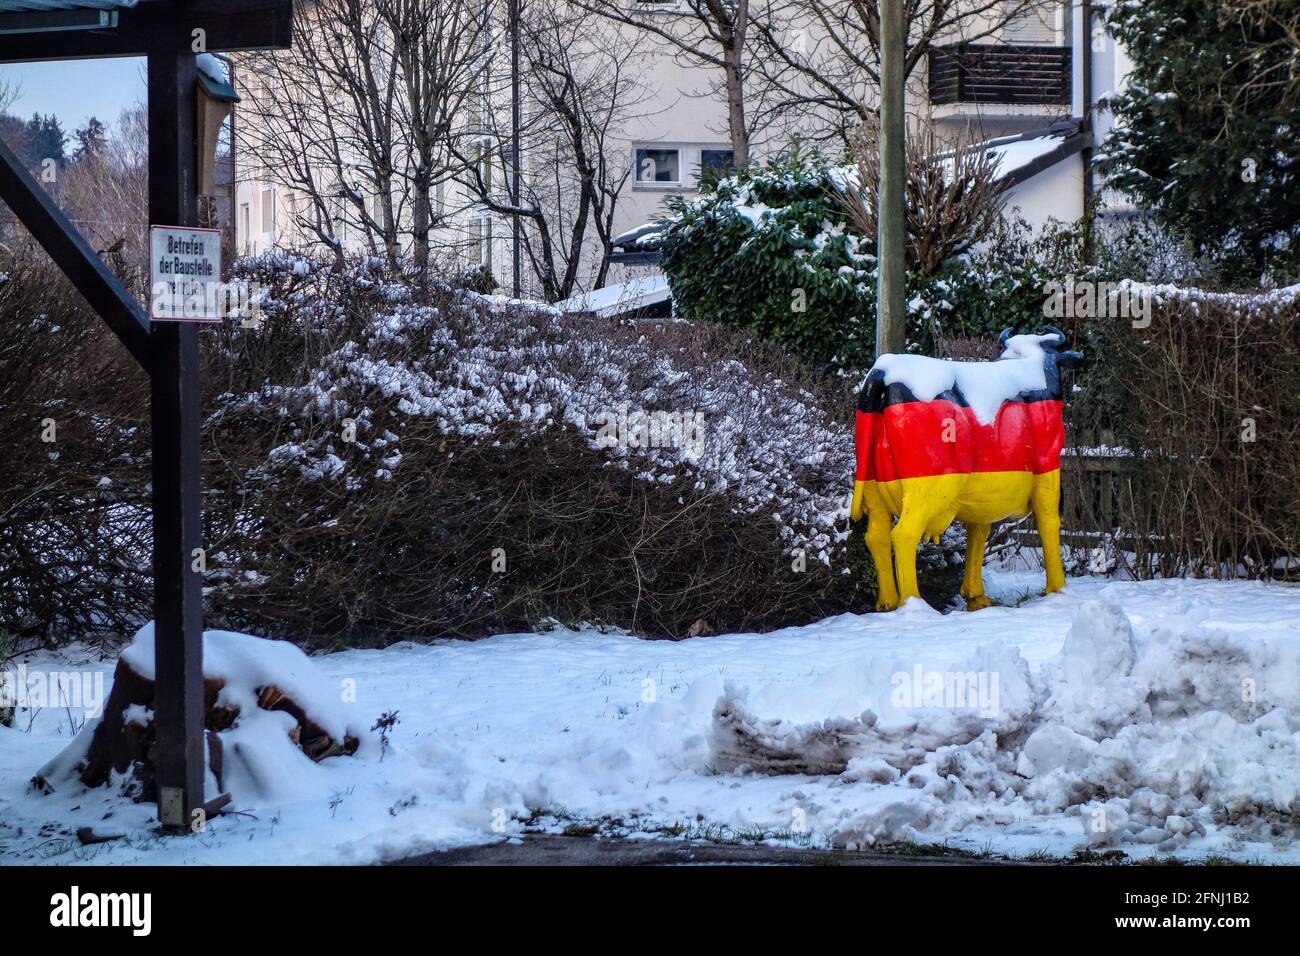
73	255
176	420
51	21
164	28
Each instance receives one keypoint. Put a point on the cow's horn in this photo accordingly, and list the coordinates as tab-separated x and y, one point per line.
1002	339
1060	336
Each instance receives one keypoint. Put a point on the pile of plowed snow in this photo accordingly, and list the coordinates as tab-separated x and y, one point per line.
1146	741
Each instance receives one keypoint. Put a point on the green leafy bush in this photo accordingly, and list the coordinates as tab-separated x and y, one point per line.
770	250
1207	131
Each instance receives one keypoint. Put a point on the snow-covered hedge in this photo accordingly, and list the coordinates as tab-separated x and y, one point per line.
383	461
1209	392
390	462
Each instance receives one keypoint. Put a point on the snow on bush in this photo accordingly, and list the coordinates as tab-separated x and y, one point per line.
1255	304
1145	741
670	472
769	444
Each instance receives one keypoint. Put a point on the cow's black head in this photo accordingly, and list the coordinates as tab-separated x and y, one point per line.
1068	359
1054	360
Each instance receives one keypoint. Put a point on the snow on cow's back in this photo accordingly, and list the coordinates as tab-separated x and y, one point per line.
984	385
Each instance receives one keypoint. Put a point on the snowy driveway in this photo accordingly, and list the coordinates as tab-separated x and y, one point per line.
1171	724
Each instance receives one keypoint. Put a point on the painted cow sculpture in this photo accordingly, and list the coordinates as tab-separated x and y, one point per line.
975	442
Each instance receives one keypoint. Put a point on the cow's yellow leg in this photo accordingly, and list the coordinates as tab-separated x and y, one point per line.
859	503
972	583
1046	503
879	521
923	498
924	501
905	538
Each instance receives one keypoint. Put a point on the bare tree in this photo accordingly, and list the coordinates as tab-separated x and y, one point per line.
580	81
358	119
106	194
822	57
9	93
953	193
711	33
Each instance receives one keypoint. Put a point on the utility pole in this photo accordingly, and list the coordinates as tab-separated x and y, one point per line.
516	120
891	203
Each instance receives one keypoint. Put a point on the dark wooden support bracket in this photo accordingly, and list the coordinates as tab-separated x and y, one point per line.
169	33
65	245
227	25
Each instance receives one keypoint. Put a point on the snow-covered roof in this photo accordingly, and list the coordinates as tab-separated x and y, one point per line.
1018	155
627	296
212	67
214	76
633	237
1024	156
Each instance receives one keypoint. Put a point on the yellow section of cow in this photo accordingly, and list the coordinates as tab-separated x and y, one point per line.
926	506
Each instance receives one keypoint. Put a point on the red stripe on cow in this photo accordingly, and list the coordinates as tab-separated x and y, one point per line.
939	437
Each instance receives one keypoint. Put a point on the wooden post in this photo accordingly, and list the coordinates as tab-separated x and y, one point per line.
168	351
175	417
1089	186
516	121
891	290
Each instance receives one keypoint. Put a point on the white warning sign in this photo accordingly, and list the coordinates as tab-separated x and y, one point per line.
185	274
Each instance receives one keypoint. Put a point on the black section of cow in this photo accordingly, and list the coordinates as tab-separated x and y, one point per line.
876	396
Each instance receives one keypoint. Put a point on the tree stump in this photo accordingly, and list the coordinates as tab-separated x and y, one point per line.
124	738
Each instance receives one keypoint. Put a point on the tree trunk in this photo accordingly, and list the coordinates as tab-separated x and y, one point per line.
733	58
420	225
891	239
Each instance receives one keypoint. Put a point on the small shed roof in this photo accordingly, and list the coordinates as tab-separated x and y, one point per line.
29	17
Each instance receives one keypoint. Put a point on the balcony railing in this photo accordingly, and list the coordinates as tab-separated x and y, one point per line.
1019	75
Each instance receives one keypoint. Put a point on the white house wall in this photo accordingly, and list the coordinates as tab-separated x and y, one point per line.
1055	193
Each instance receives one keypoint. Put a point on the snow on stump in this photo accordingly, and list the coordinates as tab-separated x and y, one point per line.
266	710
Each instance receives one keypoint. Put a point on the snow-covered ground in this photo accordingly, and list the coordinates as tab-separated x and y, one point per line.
1154	717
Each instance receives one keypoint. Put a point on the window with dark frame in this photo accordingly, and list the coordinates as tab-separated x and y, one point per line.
268	211
480	232
716	158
